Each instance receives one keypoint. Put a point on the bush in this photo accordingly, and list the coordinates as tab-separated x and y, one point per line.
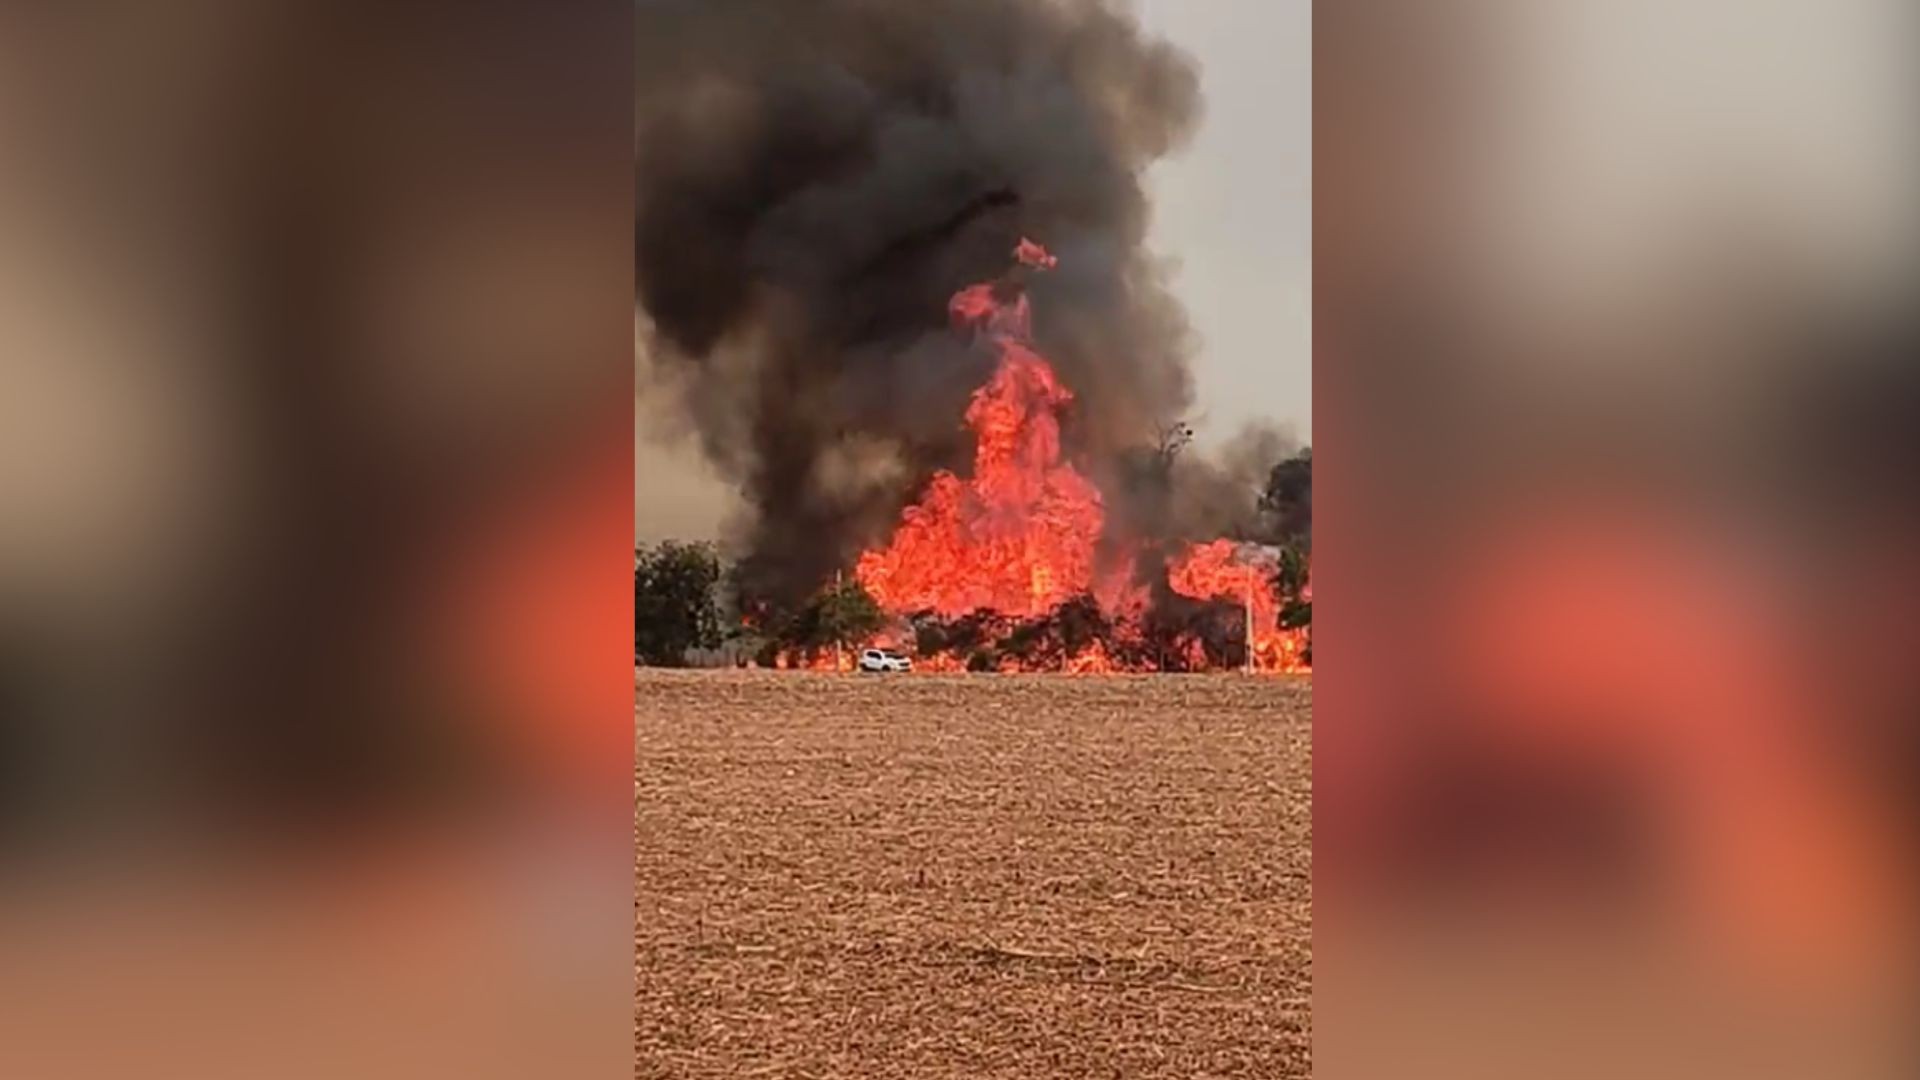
675	602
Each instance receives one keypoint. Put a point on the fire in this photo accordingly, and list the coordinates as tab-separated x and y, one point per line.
826	660
1223	570
1022	537
1091	661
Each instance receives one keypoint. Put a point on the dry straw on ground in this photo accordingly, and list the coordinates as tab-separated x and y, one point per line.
987	876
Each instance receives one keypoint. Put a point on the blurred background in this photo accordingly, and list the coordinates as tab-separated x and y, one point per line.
316	339
1619	415
315	362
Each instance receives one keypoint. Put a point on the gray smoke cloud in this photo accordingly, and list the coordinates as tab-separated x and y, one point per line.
816	177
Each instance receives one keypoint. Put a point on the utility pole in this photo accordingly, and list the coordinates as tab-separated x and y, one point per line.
839	660
1249	618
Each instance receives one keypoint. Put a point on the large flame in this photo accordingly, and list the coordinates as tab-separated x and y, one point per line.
1022	535
1224	570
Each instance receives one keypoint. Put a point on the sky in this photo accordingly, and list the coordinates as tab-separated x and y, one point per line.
1233	211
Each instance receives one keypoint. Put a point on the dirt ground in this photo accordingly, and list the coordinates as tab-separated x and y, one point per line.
972	876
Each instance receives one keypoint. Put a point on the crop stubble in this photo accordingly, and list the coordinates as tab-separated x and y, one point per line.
972	876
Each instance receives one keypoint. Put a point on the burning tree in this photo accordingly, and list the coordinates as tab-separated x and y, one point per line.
1013	567
1288	504
820	632
1242	574
802	222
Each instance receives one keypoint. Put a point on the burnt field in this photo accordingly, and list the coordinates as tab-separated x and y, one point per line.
972	876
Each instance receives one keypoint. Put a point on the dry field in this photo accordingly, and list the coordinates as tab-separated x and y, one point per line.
939	877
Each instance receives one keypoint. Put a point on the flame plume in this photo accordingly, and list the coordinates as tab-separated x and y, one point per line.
1022	536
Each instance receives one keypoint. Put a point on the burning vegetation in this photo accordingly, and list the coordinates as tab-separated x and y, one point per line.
992	490
1014	568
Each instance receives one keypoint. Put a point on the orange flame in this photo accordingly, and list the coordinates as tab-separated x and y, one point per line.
1019	536
1022	535
1222	570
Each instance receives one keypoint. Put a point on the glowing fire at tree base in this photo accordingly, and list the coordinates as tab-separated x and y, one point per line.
1009	569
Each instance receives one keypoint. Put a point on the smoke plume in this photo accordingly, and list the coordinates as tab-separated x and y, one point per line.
816	177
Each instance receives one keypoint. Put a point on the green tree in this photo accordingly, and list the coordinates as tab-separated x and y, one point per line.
675	602
843	614
848	615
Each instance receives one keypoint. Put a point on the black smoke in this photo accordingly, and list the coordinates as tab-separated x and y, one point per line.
816	177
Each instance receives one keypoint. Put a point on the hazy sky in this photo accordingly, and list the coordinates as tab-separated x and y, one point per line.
1234	213
1235	209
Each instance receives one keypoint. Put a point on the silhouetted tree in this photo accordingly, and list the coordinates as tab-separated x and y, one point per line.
842	614
1287	502
847	615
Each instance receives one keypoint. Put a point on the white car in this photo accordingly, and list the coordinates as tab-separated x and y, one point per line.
884	660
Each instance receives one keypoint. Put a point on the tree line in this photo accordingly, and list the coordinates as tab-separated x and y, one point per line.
685	598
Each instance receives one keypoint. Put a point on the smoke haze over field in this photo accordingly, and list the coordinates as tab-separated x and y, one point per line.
815	179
